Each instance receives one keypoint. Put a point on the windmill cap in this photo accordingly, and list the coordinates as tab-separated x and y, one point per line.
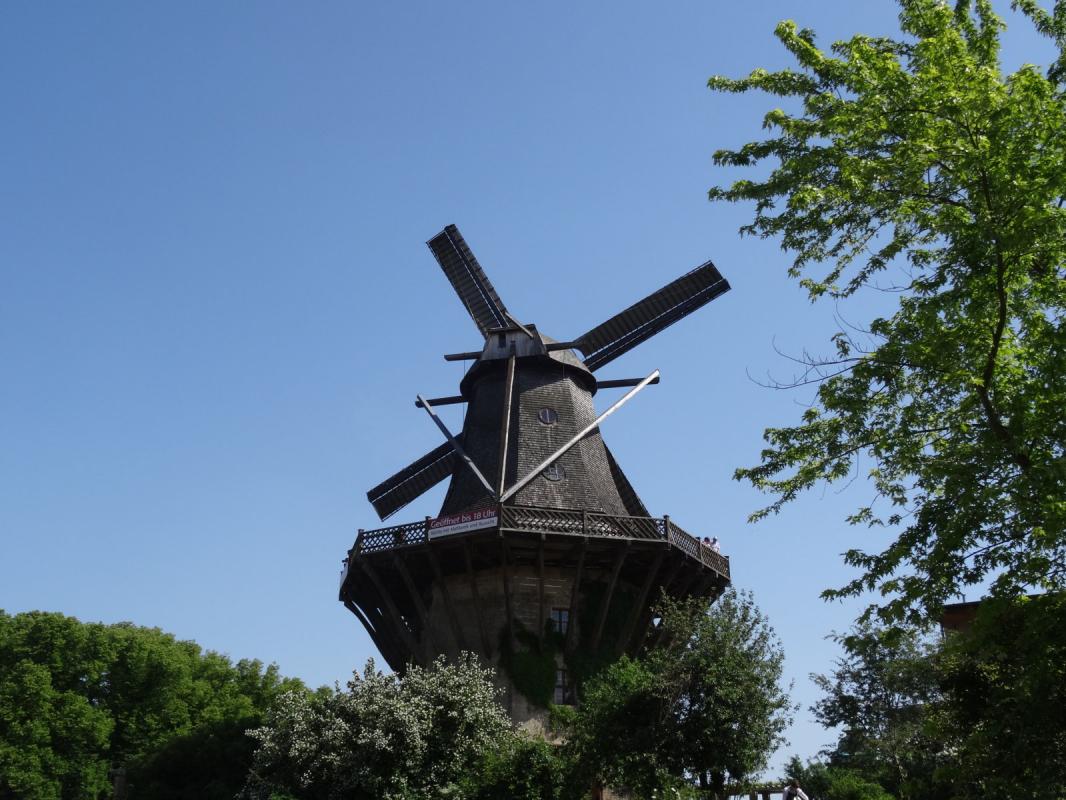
498	348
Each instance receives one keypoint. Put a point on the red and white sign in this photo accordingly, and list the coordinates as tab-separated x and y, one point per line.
460	523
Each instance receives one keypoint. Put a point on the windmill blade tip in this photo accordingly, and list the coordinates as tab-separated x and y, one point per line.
450	227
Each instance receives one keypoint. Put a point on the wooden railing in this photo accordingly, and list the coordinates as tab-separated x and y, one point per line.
579	523
391	538
691	545
528	519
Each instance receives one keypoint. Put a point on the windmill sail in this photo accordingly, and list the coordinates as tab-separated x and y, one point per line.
654	313
469	280
412	481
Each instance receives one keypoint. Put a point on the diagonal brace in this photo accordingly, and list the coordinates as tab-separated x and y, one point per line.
577	437
455	444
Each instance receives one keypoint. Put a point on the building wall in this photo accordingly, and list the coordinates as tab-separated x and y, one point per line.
525	599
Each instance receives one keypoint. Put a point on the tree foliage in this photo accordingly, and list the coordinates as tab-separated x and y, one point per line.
978	713
916	164
523	768
387	737
708	706
881	698
80	700
822	782
52	742
1005	680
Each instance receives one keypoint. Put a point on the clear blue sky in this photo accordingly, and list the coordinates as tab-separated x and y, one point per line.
216	304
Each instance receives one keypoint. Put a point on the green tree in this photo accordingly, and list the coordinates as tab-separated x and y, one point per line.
386	737
522	768
822	782
52	742
915	164
883	697
623	734
1005	685
707	707
977	713
80	700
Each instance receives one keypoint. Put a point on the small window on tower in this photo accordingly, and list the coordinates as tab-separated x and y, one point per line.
562	688
554	471
560	620
547	416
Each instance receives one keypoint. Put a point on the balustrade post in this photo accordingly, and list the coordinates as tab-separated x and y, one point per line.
359	541
584	522
426	532
666	527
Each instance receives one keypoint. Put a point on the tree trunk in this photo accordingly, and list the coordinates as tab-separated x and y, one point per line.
718	785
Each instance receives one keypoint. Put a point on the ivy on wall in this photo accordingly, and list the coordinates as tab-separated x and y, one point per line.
531	664
585	661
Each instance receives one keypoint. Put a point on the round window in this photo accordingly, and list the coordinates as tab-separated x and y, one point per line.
547	416
554	472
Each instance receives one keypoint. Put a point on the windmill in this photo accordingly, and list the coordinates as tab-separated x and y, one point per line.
542	553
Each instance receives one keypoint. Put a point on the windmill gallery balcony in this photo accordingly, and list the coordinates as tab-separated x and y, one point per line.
528	520
456	582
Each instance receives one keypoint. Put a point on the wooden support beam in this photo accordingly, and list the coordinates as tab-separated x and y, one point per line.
572	550
471	356
453	618
672	575
451	400
506	569
505	424
625	382
394	655
638	607
520	326
704	580
485	644
575	594
384	624
641	635
685	585
619	559
645	625
359	615
420	607
395	617
706	584
702	584
382	646
540	590
458	448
